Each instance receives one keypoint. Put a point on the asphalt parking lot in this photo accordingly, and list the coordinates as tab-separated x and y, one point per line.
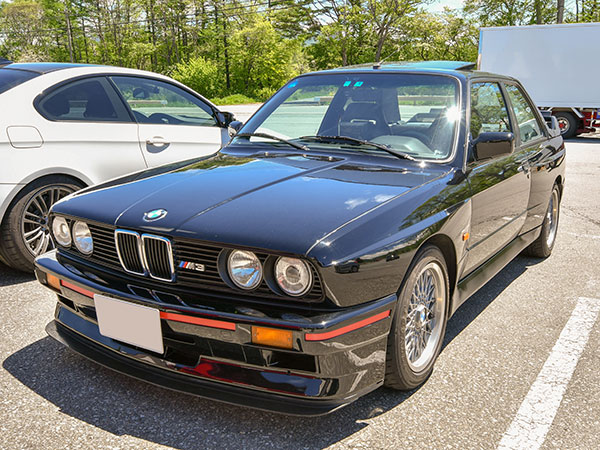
515	358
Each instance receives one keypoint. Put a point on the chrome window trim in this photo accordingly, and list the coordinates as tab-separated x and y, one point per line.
139	248
169	252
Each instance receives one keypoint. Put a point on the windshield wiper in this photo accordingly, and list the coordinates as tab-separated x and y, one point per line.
304	148
356	141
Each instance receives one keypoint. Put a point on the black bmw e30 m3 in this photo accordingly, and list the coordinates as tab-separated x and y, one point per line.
320	254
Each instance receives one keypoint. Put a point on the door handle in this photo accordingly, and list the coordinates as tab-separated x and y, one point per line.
157	141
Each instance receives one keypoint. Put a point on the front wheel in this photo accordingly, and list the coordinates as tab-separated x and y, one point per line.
24	230
419	323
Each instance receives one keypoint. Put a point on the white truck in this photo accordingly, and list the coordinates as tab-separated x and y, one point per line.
555	63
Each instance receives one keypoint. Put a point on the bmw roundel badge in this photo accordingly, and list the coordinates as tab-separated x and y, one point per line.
155	214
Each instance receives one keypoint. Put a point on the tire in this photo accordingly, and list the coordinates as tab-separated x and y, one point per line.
35	199
543	245
406	367
567	123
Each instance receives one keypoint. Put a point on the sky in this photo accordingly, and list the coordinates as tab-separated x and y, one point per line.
438	5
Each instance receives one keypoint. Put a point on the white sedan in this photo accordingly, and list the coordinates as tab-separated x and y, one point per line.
66	126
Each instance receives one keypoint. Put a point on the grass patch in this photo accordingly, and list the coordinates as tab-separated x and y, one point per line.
235	99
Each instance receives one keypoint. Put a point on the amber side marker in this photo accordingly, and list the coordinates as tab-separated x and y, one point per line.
466	236
53	282
76	288
348	328
211	323
272	337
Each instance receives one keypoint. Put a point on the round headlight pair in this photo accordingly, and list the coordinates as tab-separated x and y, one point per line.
82	237
246	271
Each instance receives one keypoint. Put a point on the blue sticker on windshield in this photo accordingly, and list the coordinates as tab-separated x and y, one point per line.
291	85
347	83
358	84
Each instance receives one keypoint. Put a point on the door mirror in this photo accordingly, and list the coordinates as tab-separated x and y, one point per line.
492	144
225	118
234	127
554	127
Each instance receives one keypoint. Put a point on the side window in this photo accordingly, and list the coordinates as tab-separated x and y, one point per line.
488	110
89	99
529	128
158	102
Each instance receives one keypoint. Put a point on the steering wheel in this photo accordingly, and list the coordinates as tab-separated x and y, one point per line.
163	118
139	117
424	138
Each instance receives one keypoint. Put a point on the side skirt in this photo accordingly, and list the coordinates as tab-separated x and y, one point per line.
470	284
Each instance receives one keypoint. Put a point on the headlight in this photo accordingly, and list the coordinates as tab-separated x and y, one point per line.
244	269
61	232
83	238
293	276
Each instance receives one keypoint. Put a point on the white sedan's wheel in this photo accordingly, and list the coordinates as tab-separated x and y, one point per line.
25	231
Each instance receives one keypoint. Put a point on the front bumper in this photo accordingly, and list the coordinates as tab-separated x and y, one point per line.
337	356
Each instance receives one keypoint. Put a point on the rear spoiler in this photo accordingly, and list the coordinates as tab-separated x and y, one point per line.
4	62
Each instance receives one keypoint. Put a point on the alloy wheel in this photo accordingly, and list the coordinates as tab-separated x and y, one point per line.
34	222
552	217
425	317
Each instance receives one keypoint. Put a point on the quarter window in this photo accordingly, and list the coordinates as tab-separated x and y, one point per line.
84	100
157	102
529	128
488	110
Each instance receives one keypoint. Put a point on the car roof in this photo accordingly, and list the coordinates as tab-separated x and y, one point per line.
43	68
463	69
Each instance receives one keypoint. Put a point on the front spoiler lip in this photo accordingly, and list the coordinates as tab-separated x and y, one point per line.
226	393
316	324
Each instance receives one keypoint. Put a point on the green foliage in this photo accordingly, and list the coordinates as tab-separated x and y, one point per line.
234	99
224	47
201	75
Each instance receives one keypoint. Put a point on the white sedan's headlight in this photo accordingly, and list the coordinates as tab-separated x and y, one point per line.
244	269
61	231
293	276
83	238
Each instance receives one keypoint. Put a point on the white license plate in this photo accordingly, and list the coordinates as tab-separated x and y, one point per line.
130	323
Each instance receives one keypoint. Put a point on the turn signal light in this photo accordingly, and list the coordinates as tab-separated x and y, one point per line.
53	282
272	337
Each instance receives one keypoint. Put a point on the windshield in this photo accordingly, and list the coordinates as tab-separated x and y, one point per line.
411	114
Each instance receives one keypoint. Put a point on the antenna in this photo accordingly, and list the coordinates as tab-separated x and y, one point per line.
378	64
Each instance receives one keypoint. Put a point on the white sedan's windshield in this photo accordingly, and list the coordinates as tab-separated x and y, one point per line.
413	114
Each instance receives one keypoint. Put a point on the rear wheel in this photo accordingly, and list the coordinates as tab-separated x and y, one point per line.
567	124
543	245
419	323
24	233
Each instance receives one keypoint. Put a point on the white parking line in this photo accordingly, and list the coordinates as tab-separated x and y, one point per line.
532	422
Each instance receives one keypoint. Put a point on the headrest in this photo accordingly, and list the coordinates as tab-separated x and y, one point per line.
57	105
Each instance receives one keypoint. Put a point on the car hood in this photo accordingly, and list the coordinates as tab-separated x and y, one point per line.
281	202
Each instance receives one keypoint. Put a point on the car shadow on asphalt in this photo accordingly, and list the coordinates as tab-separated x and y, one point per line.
124	406
10	276
476	304
587	139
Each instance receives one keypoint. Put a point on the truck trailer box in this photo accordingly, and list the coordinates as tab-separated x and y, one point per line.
557	64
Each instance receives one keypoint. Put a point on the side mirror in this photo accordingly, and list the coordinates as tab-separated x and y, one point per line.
554	127
225	118
234	127
140	94
492	144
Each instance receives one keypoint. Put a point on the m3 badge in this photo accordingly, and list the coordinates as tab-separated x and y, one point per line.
191	266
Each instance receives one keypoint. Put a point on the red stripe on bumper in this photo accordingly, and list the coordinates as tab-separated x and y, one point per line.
354	326
75	288
198	321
